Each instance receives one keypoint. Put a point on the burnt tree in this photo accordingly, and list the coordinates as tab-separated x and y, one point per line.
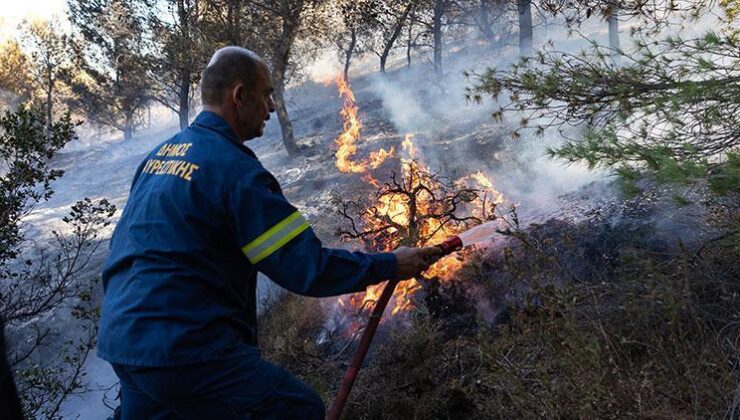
432	206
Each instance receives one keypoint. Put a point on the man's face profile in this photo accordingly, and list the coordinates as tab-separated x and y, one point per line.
254	103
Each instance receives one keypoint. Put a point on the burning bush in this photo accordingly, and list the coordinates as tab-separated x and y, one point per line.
416	208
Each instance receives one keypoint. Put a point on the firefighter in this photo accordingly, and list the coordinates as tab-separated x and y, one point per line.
179	321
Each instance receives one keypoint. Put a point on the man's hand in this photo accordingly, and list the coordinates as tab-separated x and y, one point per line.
412	261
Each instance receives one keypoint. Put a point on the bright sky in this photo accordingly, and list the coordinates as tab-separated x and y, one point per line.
12	12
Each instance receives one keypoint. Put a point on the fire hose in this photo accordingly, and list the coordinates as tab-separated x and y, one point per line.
449	246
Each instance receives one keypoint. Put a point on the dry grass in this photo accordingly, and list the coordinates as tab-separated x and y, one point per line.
640	333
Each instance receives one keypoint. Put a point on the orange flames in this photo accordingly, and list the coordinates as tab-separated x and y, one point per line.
347	141
396	207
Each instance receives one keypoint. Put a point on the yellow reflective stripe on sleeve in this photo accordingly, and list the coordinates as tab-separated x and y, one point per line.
275	237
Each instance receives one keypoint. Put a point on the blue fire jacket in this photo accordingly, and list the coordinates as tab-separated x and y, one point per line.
203	217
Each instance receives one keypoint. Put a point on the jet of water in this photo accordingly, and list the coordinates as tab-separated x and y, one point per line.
478	234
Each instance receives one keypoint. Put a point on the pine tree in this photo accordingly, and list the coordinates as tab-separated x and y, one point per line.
358	19
283	23
671	110
181	53
51	58
114	83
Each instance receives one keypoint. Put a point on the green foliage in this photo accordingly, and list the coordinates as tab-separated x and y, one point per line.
25	152
33	290
15	68
114	83
732	8
669	111
50	58
726	178
46	381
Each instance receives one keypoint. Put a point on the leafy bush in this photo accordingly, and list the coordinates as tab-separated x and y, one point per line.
39	286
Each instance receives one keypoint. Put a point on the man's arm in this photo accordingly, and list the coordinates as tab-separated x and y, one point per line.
276	238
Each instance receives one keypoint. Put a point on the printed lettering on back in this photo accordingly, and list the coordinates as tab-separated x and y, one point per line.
169	165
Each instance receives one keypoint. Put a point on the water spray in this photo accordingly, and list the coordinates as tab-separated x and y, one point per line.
475	235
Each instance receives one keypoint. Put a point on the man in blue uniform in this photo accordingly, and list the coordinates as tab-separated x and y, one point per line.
178	319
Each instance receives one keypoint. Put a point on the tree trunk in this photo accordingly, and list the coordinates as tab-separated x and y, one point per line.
348	53
233	19
409	45
184	95
439	10
525	27
279	70
238	23
614	29
394	36
286	127
49	105
128	128
484	20
184	73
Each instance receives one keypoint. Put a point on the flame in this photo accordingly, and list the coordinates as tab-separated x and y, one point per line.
487	184
396	208
482	179
403	293
347	140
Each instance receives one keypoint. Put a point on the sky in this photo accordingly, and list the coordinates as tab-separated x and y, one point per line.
13	12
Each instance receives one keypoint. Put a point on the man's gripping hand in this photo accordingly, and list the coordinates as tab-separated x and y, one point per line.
412	261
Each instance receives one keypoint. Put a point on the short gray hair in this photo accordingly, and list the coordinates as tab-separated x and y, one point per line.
228	66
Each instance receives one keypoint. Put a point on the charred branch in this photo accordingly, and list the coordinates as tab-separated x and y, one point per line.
413	208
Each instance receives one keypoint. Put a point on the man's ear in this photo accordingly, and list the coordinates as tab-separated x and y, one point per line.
237	94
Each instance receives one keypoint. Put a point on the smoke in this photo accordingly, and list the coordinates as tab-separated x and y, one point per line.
324	67
458	137
404	106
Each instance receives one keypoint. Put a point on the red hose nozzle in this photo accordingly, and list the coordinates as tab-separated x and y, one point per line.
450	245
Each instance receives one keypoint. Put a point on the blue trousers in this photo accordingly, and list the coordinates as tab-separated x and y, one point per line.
244	388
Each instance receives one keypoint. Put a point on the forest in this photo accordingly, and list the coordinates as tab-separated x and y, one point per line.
600	139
